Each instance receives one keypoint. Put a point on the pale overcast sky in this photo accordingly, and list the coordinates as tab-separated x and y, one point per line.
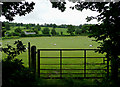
44	13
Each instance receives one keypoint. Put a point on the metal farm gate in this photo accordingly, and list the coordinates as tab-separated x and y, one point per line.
85	72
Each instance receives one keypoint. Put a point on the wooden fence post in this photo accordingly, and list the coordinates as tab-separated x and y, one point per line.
33	58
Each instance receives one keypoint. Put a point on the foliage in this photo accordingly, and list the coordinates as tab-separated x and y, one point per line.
57	33
7	26
86	28
9	34
105	82
27	26
77	31
14	73
107	33
46	31
11	9
22	34
36	31
53	32
38	27
30	30
15	34
59	4
12	51
11	37
61	33
71	29
34	28
3	32
18	30
54	25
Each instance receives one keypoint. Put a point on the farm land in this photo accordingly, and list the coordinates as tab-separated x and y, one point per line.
72	37
73	42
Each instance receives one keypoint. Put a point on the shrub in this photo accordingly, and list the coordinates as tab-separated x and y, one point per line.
14	73
77	31
53	32
18	30
15	34
57	33
61	33
71	29
23	34
7	26
9	34
36	31
46	31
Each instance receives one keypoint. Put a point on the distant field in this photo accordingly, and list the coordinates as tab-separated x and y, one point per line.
59	30
80	42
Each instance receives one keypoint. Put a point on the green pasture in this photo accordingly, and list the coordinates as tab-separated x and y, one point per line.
73	42
59	30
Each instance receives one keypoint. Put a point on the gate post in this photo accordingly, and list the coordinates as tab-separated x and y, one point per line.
33	58
29	54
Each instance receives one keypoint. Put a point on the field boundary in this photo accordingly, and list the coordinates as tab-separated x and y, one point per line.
32	52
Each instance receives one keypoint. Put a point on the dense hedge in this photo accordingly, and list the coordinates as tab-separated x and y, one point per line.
40	35
12	37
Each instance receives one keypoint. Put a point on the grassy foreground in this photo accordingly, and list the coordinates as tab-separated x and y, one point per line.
74	42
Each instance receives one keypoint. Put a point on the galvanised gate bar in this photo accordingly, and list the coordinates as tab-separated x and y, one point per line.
39	57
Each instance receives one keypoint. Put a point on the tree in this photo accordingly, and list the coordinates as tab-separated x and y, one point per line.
13	70
12	52
22	34
46	31
77	31
38	27
61	33
18	30
71	29
11	9
3	32
7	26
85	28
108	32
53	32
27	26
80	26
15	34
36	31
54	25
3	24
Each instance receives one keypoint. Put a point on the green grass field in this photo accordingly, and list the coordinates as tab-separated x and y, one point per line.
74	42
64	30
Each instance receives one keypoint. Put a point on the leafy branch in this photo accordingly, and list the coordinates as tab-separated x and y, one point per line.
12	52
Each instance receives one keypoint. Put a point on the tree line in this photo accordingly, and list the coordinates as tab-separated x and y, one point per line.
46	29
